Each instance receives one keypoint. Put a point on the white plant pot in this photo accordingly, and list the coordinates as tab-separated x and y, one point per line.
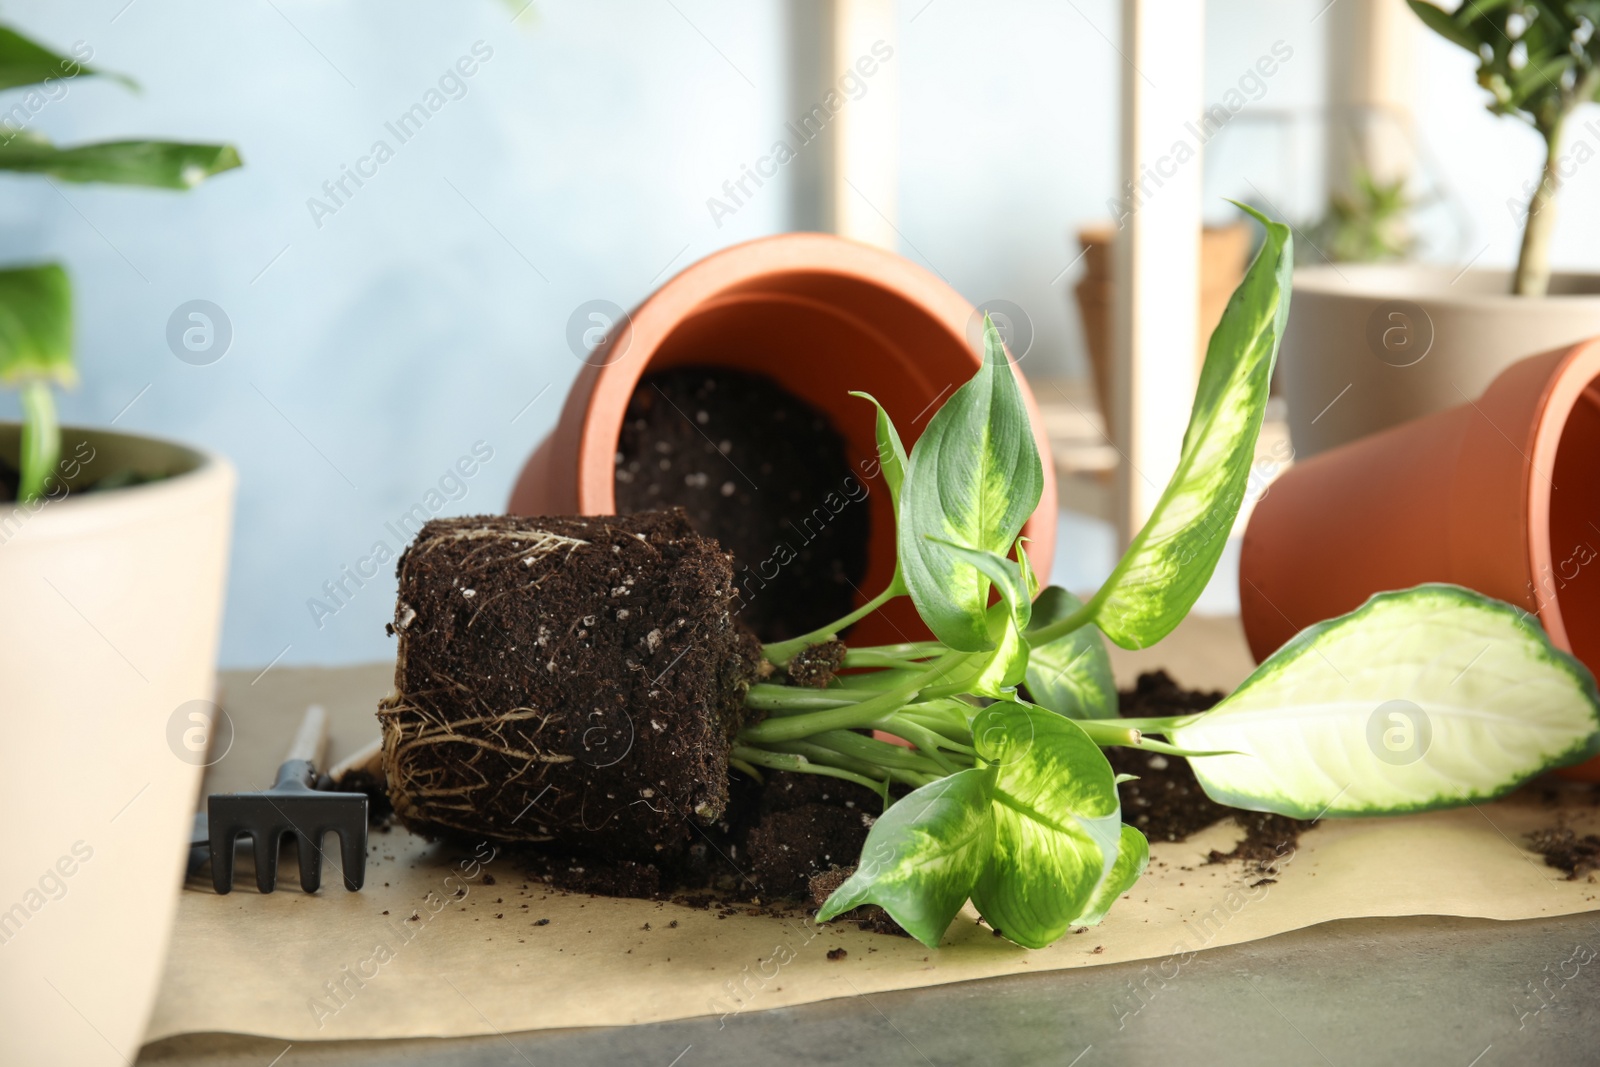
110	606
1369	346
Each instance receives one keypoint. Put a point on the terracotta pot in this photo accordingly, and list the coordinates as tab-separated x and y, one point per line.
112	605
1501	495
1369	346
1224	257
822	316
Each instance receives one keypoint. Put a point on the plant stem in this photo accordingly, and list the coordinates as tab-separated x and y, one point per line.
855	716
892	655
1533	261
881	679
881	753
1080	618
779	653
1105	732
779	761
788	698
41	439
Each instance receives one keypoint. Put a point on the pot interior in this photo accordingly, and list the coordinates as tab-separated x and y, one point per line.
1573	577
821	336
89	456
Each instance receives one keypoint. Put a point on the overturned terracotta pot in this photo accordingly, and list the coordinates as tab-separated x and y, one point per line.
1500	494
821	316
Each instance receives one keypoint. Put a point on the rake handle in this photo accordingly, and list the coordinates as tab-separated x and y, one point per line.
311	738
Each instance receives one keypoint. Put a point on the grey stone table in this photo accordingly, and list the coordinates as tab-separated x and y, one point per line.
1416	991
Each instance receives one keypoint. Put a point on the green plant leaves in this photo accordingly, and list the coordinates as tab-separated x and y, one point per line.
26	62
1538	59
891	453
1133	856
973	478
1441	22
923	856
1057	823
1033	836
1170	561
36	325
1006	665
1427	698
1072	674
162	164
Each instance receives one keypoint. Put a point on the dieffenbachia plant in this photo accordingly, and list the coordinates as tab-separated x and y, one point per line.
1539	60
36	300
1424	698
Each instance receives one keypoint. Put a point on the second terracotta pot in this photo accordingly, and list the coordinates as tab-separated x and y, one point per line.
1500	494
821	316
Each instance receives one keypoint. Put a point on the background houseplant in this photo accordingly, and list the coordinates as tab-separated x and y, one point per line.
1373	346
113	599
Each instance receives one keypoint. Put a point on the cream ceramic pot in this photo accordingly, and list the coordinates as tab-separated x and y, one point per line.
110	606
1370	346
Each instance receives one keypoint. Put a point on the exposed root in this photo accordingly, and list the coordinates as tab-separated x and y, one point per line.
434	791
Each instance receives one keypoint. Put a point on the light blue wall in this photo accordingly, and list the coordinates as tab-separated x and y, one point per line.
406	327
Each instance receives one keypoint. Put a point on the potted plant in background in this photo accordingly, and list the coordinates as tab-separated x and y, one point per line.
113	554
1492	487
1373	345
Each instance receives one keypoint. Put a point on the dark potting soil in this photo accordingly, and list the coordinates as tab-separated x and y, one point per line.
814	667
766	475
1564	850
791	842
575	682
1165	802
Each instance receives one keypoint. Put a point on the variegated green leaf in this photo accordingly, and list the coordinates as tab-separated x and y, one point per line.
891	453
1170	561
1427	698
1133	856
923	855
1057	823
1008	662
973	478
1072	674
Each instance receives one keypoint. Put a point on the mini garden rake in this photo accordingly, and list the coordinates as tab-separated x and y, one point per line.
292	806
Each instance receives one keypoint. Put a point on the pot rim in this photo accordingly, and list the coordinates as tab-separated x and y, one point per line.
77	512
1563	387
1376	281
604	387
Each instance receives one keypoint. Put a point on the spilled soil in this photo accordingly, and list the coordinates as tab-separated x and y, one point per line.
1566	850
790	842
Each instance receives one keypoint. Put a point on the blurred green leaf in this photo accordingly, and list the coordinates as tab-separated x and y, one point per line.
26	62
161	164
36	325
1440	22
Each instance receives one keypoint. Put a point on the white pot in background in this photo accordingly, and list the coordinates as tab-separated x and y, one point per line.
110	607
1369	346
